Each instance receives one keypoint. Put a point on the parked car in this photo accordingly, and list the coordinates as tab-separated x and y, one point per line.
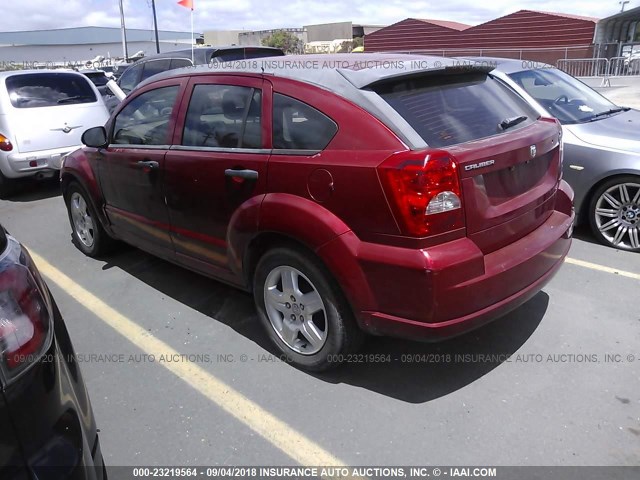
601	147
409	201
118	69
109	71
42	116
99	78
153	64
47	427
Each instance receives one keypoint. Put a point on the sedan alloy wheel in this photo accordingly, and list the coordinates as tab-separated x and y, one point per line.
616	215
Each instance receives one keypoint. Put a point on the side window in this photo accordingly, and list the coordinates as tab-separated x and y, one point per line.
129	78
298	126
145	120
180	63
224	116
154	66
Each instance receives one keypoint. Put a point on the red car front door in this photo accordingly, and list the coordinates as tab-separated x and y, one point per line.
218	163
132	167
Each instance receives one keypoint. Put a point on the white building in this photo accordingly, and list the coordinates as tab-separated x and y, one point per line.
75	45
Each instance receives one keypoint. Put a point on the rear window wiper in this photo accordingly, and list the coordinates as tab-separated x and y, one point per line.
609	112
511	122
74	98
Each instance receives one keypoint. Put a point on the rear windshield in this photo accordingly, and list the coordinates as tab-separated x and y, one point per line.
245	53
48	89
450	109
99	79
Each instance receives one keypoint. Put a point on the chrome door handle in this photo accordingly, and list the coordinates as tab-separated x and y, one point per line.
246	174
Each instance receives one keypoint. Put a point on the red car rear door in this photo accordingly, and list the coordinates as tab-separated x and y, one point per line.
217	165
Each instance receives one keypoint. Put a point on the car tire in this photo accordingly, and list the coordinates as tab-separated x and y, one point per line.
314	340
87	232
614	213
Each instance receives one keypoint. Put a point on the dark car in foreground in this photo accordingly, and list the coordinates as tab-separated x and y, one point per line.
47	428
381	195
601	147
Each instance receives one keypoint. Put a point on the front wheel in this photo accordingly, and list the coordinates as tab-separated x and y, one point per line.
615	213
303	309
86	230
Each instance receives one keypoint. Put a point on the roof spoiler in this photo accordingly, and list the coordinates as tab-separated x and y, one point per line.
373	77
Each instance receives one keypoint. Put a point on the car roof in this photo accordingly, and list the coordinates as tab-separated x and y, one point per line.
509	65
327	71
347	75
34	72
208	51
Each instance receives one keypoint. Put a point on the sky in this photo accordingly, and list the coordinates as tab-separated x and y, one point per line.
268	14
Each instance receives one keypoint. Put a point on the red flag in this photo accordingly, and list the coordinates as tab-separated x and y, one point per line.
186	3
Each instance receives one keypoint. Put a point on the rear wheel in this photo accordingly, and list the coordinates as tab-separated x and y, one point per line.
86	230
303	309
615	213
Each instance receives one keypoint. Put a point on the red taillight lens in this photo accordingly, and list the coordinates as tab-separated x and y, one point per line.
424	191
5	144
25	320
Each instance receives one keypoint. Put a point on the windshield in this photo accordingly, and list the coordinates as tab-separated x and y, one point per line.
566	98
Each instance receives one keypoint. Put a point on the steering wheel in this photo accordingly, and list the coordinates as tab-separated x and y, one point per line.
562	98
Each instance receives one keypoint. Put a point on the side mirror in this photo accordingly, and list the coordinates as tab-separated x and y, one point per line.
95	137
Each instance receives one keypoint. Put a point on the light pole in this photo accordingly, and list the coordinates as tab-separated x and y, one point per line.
623	3
124	33
155	25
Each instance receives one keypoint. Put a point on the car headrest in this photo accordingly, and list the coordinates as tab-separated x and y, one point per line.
233	105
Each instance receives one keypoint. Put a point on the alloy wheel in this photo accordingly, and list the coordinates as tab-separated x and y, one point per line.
295	310
617	215
82	222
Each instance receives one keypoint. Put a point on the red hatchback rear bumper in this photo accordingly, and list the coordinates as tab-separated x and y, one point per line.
446	290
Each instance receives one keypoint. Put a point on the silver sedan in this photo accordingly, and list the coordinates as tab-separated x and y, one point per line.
601	147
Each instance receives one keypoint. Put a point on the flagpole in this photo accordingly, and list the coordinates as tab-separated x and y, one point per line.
192	56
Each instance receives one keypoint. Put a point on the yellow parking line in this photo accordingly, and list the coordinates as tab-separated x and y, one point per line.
602	268
294	444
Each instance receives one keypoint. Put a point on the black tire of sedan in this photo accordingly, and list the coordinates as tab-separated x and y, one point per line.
303	309
87	233
614	213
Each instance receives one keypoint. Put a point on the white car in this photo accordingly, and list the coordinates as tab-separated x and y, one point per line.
43	114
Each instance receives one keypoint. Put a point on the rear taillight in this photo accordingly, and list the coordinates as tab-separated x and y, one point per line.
423	189
5	144
25	319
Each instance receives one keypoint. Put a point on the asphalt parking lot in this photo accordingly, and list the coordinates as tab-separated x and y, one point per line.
180	373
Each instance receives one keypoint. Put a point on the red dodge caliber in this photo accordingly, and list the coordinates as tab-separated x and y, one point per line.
394	195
